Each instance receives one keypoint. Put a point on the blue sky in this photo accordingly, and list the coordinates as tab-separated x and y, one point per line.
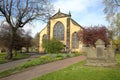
84	12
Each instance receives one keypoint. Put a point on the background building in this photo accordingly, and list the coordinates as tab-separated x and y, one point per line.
62	27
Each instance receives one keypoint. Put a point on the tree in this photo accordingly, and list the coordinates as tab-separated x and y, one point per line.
18	13
36	41
21	38
5	35
52	46
18	40
27	41
111	7
91	34
112	11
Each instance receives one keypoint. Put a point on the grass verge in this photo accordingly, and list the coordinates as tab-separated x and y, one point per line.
17	57
80	72
38	61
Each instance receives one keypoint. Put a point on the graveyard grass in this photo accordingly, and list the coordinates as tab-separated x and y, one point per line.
17	57
38	61
80	72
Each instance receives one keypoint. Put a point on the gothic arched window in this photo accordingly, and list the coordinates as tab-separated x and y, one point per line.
58	31
75	42
44	37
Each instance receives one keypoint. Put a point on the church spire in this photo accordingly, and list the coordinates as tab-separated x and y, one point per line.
59	10
69	13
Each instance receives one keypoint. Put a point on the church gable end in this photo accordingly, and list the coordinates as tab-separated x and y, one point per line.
60	15
62	27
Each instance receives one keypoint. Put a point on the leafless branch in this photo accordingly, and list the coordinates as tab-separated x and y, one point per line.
117	3
18	15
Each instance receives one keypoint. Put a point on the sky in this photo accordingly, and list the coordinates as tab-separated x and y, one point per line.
84	12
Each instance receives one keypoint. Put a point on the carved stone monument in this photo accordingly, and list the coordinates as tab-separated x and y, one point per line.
101	55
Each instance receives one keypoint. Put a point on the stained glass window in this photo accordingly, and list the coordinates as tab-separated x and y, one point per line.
44	37
58	31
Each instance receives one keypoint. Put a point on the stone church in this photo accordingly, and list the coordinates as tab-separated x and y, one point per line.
63	28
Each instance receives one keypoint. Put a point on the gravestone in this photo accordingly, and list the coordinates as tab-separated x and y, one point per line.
100	45
101	55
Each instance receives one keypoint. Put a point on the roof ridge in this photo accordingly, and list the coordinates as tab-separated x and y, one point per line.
74	22
60	14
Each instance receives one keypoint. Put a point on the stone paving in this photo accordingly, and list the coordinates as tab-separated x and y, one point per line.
45	68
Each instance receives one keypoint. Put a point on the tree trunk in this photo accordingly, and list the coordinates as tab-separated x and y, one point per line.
15	53
21	50
11	43
27	49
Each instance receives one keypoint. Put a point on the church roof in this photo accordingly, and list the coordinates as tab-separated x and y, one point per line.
75	23
60	15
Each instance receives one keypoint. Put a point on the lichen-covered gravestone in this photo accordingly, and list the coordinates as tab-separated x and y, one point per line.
101	55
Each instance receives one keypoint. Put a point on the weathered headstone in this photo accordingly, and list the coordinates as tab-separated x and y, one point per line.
101	55
100	45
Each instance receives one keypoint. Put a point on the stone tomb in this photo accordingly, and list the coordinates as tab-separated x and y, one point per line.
101	55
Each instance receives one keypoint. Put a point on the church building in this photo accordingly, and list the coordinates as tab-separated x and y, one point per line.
63	28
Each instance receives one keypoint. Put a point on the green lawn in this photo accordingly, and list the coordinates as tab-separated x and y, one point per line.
118	59
38	61
2	58
80	72
18	56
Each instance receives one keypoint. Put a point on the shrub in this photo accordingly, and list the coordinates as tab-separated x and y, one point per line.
77	53
70	55
91	34
58	58
52	46
59	55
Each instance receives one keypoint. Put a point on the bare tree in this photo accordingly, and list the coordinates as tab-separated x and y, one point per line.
5	36
112	11
111	6
18	13
27	40
36	42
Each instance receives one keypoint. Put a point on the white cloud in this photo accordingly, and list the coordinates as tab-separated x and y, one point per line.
85	12
74	5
